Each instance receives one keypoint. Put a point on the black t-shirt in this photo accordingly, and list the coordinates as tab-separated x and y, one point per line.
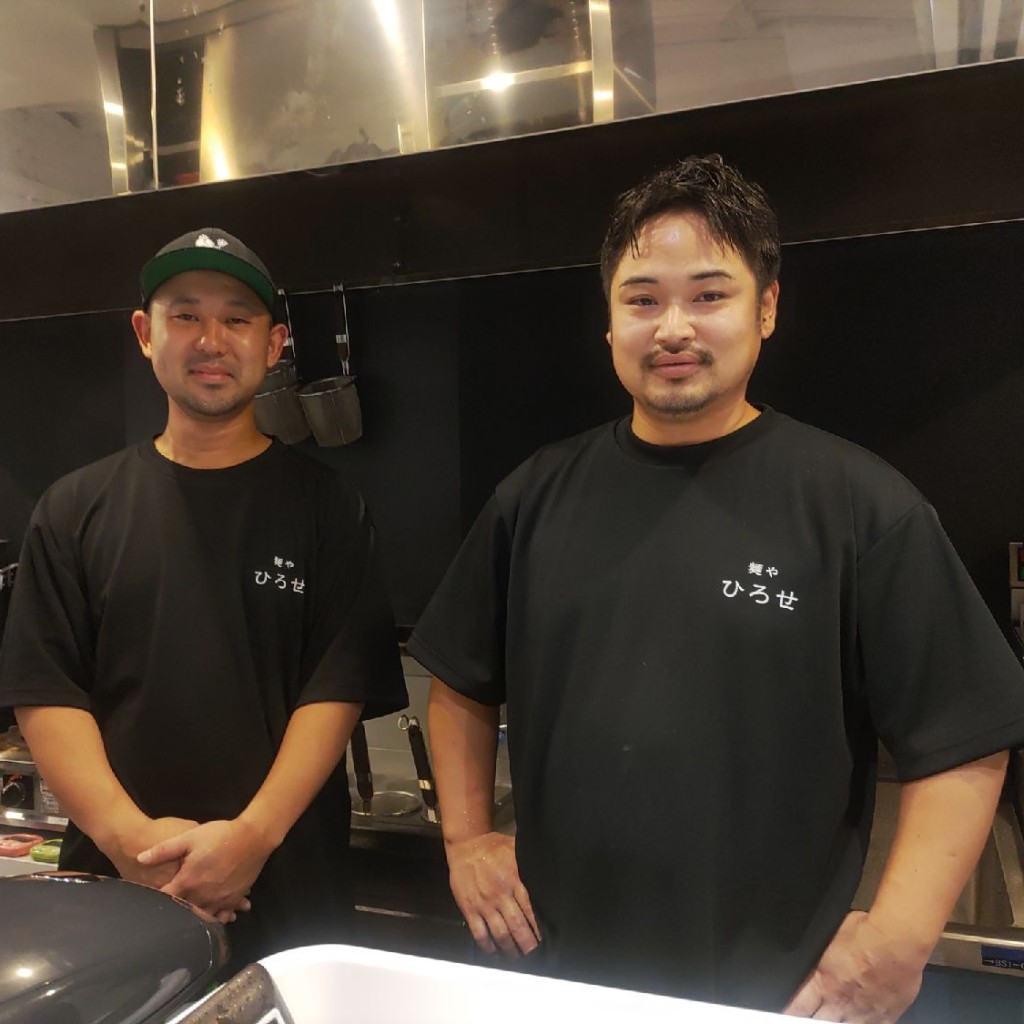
699	647
191	611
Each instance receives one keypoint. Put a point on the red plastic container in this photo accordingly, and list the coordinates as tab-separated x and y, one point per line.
18	844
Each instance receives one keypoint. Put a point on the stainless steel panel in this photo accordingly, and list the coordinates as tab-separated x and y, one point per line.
55	141
99	97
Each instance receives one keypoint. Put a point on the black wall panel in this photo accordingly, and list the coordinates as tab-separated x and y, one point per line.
912	345
404	354
533	367
62	404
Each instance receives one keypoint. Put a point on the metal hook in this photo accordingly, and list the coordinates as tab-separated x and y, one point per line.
290	342
341	327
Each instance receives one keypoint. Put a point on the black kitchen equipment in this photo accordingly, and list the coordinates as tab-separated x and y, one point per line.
276	405
361	768
7	574
86	949
331	405
424	775
15	791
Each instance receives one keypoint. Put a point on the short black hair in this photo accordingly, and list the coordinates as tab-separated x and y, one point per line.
736	210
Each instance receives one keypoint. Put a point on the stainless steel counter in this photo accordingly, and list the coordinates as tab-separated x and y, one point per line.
986	928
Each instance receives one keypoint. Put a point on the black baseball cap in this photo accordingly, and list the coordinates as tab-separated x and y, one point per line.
208	249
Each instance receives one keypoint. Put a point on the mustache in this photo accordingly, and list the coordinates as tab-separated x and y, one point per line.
703	357
217	365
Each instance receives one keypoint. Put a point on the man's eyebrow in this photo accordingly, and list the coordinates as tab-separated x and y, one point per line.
703	275
243	303
235	303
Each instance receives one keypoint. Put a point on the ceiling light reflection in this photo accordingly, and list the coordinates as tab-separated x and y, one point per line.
498	82
387	15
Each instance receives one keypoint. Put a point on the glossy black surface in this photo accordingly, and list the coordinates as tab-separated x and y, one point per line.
79	949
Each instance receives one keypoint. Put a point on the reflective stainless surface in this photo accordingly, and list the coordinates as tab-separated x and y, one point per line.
390	803
986	928
99	97
402	809
57	143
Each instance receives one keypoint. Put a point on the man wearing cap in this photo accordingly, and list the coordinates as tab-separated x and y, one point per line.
198	626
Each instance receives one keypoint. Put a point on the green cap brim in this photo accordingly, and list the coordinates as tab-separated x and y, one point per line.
163	268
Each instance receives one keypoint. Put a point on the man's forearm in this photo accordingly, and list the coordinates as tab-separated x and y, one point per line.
944	821
464	742
482	866
68	750
220	860
872	968
313	744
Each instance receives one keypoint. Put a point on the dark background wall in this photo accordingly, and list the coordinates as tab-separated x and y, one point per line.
912	345
909	343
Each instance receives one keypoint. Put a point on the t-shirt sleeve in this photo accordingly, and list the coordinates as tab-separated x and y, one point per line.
351	653
461	636
47	654
942	683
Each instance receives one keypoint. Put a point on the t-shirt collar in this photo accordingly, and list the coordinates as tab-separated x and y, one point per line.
693	454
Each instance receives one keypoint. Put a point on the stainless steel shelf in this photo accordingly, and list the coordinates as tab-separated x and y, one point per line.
30	819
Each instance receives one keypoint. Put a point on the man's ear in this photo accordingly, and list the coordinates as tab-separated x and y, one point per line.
142	325
769	307
278	336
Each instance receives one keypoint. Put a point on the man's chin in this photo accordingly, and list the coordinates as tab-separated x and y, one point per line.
676	407
213	411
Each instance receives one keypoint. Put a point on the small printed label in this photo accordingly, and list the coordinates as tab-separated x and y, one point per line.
48	800
1009	958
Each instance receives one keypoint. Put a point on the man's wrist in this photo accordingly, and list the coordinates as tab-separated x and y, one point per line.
264	826
910	936
118	831
455	838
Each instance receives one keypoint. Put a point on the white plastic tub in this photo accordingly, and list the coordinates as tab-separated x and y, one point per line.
352	985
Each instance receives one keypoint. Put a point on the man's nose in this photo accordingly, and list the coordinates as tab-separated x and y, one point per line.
674	325
211	337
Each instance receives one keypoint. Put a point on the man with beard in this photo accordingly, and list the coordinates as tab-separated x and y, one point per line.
198	625
702	618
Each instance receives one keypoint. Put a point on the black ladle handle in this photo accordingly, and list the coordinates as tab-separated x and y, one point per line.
422	761
361	764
